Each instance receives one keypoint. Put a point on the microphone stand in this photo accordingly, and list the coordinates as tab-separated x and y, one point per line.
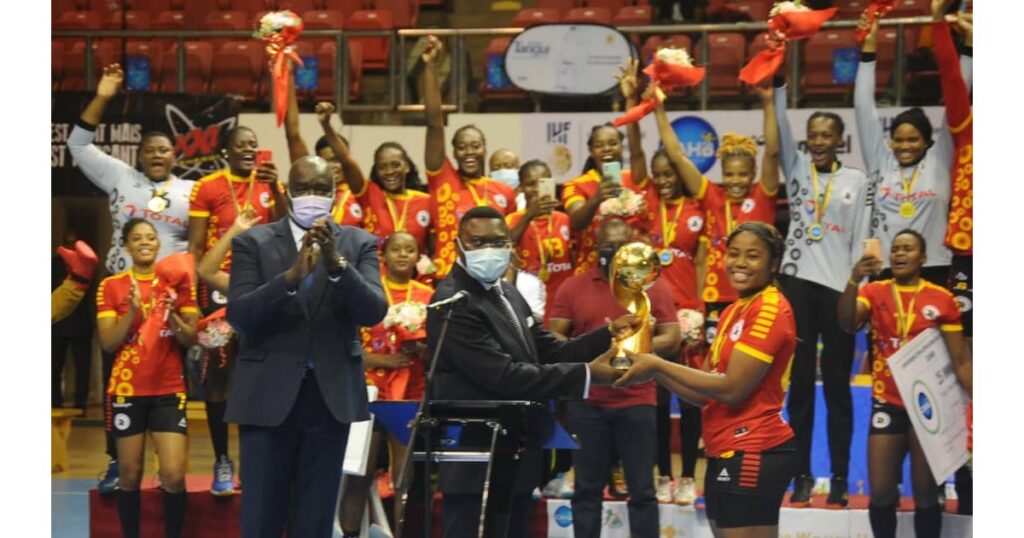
404	478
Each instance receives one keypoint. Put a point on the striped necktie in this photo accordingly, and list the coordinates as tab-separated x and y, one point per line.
510	315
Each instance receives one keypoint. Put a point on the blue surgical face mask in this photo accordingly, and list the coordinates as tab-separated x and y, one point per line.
308	209
508	176
486	265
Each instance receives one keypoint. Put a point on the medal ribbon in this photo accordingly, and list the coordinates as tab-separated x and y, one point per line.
159	193
398	287
821	202
476	199
668	231
908	188
397	223
725	327
248	193
541	251
904	318
339	208
147	303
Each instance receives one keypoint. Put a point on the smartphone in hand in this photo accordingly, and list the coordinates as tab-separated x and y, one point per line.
612	172
263	156
546	187
873	246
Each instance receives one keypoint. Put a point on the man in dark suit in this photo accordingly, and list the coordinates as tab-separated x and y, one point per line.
494	350
299	289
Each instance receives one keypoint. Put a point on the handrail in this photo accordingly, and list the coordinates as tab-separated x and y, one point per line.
397	64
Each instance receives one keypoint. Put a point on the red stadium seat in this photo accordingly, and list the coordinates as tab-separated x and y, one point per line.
588	15
59	7
170	20
153	7
79	20
326	56
611	5
298	6
817	70
910	8
249	7
196	12
323	20
198	59
563	6
725	58
133	20
238	69
73	72
886	60
56	64
103	7
496	48
533	16
633	16
755	10
225	20
403	13
850	9
348	7
376	50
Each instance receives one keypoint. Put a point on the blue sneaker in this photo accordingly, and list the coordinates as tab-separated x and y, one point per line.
108	483
223	477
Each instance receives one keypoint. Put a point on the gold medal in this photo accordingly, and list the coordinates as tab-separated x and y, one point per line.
815	232
665	256
544	274
907	210
157	204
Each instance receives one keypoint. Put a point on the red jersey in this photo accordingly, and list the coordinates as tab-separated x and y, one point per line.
587	301
347	210
926	305
762	326
450	198
219	196
960	228
411	210
683	219
402	383
581	189
721	218
545	243
160	371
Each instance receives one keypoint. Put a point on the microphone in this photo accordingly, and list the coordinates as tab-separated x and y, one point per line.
459	295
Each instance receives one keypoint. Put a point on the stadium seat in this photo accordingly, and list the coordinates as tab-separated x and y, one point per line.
886	60
198	58
78	20
196	12
725	58
612	6
376	50
403	13
225	20
170	20
103	7
755	10
153	7
632	16
348	7
238	69
817	76
59	7
56	64
850	9
326	56
323	20
588	15
910	8
562	6
495	51
249	7
298	6
648	48
73	60
133	20
528	17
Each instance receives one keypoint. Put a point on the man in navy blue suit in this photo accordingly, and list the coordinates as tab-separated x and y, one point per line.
299	289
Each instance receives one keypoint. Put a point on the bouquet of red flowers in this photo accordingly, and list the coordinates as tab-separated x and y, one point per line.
875	10
172	273
278	30
787	21
671	68
407	321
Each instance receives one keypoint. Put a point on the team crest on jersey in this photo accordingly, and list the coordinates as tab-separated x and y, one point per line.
930	312
356	210
748	205
695	223
501	200
737	331
218	297
423	218
847	196
565	233
265	199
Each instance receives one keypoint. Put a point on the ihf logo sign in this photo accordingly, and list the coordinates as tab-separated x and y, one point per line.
699	141
563	516
558	132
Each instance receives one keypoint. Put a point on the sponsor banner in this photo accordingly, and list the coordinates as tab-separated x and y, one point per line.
573	59
194	123
814	523
560	139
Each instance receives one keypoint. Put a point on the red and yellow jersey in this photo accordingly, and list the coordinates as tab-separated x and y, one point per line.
683	219
411	210
762	326
377	339
347	209
925	305
547	239
960	227
721	218
156	369
450	198
584	187
216	196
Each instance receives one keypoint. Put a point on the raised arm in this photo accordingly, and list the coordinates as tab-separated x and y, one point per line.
629	85
208	267
353	175
770	160
869	129
297	147
787	143
100	168
693	180
433	155
851	313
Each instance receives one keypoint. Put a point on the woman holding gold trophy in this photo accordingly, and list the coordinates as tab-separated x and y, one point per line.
750	448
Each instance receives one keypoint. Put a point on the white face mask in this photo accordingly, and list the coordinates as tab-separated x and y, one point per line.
308	209
486	265
508	176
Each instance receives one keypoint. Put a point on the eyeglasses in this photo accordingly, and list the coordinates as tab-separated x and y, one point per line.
478	243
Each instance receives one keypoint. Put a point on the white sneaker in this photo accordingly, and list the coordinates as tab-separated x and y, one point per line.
553	486
663	489
684	492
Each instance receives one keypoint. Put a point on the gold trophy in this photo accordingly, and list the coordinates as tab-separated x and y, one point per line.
633	268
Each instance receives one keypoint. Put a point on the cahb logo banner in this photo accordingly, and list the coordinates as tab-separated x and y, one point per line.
193	122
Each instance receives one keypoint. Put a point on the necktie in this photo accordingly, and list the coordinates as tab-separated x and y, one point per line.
510	315
307	284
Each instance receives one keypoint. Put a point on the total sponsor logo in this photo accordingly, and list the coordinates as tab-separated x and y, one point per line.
131	211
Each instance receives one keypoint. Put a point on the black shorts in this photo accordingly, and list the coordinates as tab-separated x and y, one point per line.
132	415
746	489
888	419
961	284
